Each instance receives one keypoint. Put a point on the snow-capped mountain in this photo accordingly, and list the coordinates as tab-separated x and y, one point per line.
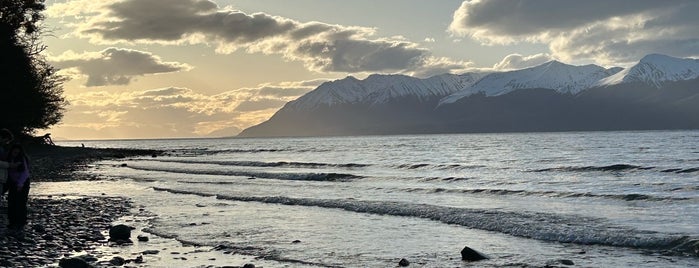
436	86
377	89
655	69
555	75
348	90
660	92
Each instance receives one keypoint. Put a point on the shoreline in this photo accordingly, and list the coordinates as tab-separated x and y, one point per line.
73	229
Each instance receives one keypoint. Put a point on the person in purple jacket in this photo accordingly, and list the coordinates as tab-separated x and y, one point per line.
18	184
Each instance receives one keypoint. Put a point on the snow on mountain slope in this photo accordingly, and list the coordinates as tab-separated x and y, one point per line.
347	90
654	69
555	75
377	89
435	86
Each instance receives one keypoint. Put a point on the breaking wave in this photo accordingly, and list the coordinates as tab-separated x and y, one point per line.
615	168
339	177
265	164
534	225
625	197
438	166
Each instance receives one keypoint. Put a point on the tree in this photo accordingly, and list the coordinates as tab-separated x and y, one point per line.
31	91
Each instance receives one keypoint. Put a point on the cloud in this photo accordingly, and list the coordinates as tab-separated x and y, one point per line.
114	66
260	104
601	30
517	61
175	111
320	46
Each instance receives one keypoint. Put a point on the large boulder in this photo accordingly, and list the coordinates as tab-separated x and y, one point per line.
469	254
119	233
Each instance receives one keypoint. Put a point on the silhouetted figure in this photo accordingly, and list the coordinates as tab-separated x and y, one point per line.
47	139
5	138
18	186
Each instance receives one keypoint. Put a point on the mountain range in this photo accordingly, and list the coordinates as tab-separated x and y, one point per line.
659	92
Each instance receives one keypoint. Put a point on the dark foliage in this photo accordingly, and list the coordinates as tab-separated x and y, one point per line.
30	90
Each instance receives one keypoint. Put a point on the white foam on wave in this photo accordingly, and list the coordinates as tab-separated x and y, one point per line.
535	225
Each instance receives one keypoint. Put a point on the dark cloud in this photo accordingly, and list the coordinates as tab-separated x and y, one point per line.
525	17
116	66
606	31
321	47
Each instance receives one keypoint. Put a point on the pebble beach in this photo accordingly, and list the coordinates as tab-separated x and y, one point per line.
69	230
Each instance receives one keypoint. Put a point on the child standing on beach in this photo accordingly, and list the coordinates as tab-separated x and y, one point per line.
18	184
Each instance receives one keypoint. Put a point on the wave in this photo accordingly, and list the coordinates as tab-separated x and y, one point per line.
624	197
265	164
206	151
613	168
534	225
336	177
681	170
438	166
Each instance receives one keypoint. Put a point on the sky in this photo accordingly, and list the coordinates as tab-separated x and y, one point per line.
211	68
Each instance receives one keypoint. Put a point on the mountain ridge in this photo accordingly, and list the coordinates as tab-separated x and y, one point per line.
662	92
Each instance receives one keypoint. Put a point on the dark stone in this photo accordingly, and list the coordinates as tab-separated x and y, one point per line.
469	254
123	165
567	262
138	259
39	228
117	261
119	232
403	263
296	241
249	265
122	241
88	258
221	247
151	252
142	238
73	263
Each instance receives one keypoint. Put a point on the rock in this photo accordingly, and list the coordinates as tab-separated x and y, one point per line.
403	263
73	263
123	165
119	232
469	254
296	241
249	265
138	259
151	252
39	228
117	261
221	247
567	262
142	238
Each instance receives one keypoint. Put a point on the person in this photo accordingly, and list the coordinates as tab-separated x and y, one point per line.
18	189
47	139
5	138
